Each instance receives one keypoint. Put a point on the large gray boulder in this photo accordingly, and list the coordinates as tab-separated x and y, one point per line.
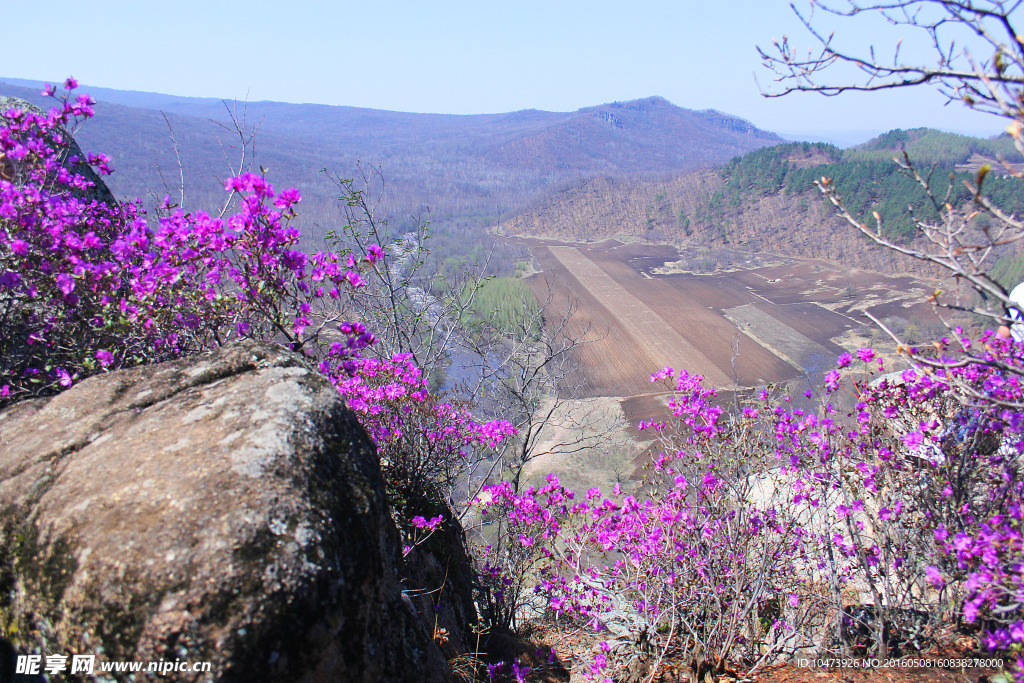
227	509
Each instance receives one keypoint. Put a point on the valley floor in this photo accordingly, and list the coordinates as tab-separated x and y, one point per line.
777	320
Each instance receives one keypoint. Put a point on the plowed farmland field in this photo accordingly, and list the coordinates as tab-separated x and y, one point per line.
612	363
737	329
716	339
658	337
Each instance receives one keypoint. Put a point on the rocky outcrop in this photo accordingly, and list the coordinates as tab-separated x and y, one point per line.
227	509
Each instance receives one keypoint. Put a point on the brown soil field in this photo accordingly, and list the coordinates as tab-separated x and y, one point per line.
799	350
898	309
703	325
656	332
740	328
714	291
845	291
641	408
612	364
812	320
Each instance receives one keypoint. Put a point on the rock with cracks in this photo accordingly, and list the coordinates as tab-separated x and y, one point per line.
226	509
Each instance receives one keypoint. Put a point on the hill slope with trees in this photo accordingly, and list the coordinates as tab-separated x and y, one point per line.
766	200
473	167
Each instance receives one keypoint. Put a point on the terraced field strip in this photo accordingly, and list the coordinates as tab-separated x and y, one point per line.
611	363
782	339
648	330
813	321
696	316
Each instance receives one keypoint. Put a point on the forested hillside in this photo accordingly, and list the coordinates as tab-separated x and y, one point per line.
927	146
766	199
867	178
464	169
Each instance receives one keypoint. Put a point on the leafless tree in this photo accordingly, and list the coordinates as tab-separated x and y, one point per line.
524	369
396	303
245	148
239	156
177	158
958	32
533	374
979	61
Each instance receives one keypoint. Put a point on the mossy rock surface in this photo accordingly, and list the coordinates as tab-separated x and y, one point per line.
225	509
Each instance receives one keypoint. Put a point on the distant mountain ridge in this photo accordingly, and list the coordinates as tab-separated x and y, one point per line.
477	166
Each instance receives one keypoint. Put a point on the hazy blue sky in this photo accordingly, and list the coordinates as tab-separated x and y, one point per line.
454	56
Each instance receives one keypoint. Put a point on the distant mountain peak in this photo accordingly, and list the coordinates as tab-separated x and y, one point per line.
645	104
481	164
730	121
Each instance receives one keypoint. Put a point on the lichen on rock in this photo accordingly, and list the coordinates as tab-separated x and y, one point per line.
226	509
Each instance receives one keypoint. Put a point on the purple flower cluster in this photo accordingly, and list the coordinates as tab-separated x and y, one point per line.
423	440
89	286
765	509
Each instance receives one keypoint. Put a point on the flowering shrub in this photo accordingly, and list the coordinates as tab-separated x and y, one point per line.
772	528
54	271
419	530
684	563
425	442
980	559
88	285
